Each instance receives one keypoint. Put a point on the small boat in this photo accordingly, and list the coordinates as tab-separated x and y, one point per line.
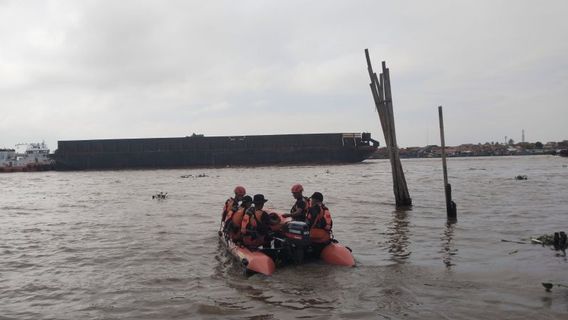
290	244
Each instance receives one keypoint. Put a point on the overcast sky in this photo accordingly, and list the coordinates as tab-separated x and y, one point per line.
124	69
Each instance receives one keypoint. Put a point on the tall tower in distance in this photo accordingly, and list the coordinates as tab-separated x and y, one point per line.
523	135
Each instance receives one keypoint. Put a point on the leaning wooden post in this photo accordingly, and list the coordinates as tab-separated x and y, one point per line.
381	90
403	197
450	205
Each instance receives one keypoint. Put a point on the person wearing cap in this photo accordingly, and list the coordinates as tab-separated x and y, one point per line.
235	219
256	223
319	220
232	204
300	207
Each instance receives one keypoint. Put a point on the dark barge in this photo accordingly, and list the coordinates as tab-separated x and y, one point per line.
201	151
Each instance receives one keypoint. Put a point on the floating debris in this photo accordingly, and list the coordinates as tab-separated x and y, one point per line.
558	240
545	240
513	241
201	175
160	196
521	177
548	286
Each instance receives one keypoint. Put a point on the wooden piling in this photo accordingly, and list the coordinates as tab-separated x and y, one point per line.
451	209
382	96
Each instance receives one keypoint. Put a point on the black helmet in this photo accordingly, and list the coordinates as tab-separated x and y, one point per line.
259	198
317	196
247	199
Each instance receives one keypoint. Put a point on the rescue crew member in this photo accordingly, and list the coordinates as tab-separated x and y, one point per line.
235	219
300	208
232	204
256	223
319	220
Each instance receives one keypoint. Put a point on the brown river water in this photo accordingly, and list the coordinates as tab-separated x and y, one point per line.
95	245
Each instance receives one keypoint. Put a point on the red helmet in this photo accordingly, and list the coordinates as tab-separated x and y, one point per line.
240	191
297	188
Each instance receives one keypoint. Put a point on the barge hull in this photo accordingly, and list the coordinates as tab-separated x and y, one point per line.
200	151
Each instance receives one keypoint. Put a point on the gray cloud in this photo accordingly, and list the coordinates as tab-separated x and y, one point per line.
103	69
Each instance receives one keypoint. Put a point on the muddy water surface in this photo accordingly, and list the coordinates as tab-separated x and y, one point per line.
95	245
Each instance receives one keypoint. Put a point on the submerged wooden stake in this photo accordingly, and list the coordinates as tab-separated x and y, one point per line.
450	205
381	90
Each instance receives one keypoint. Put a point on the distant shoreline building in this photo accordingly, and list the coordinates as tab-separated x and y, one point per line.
478	150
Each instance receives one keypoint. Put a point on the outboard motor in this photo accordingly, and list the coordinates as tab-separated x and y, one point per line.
297	232
297	235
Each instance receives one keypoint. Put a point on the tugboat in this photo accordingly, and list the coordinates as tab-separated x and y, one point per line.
35	158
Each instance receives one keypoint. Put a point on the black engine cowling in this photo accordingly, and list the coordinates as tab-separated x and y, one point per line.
291	242
297	232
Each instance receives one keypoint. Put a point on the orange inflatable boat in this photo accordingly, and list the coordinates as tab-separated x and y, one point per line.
336	254
290	244
254	261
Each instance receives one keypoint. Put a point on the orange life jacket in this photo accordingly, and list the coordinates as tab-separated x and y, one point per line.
237	217
229	205
304	211
234	220
250	224
320	225
251	220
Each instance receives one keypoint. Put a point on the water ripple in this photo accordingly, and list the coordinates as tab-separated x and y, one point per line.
94	245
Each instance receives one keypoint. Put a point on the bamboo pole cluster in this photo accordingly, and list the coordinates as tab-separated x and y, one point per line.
381	90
